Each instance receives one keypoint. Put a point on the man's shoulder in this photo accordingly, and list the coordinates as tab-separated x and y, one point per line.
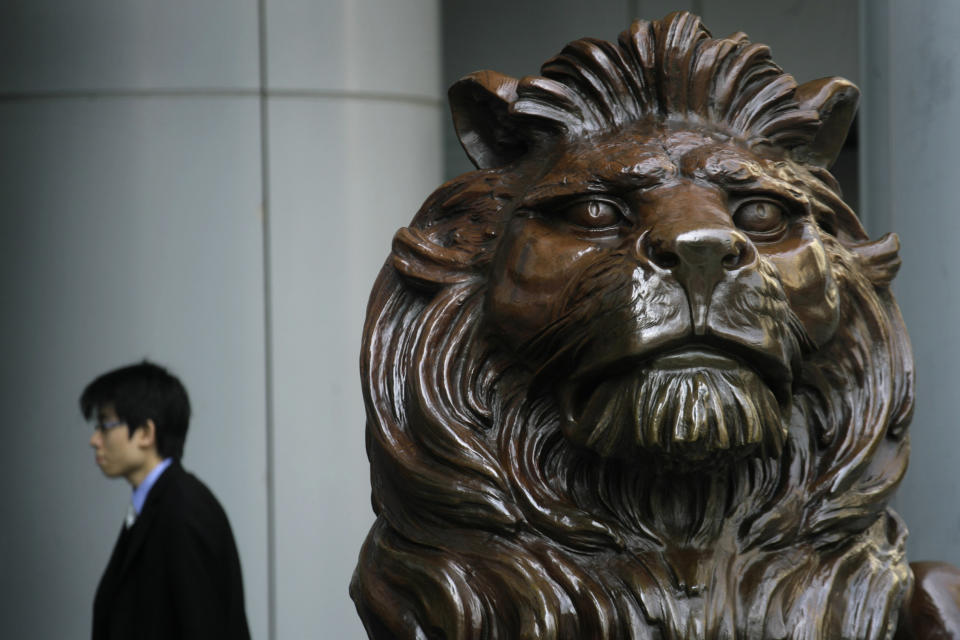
184	497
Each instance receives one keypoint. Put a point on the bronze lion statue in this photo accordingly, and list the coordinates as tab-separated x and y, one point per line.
641	374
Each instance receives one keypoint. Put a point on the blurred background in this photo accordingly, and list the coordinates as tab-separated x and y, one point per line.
213	184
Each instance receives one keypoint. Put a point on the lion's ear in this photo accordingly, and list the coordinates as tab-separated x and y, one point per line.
835	99
879	259
480	104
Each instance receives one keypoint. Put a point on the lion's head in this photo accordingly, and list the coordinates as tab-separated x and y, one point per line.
642	369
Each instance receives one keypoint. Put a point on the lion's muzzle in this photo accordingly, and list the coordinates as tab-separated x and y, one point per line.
687	405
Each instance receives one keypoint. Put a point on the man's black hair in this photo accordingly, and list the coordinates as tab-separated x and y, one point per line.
142	392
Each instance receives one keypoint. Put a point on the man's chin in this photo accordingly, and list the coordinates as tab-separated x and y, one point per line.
106	470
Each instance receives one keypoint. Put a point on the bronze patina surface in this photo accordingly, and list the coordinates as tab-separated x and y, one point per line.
641	374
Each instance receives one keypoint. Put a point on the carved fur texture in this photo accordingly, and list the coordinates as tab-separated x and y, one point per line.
677	502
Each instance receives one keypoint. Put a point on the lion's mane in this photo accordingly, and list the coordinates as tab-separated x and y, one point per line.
490	524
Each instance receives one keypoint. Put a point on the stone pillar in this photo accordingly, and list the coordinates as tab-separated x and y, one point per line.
354	116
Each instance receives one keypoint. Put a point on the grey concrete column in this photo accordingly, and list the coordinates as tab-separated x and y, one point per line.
354	113
910	109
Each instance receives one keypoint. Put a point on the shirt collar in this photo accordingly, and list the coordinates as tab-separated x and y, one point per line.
140	493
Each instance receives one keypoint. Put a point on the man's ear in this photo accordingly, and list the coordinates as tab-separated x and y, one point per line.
146	435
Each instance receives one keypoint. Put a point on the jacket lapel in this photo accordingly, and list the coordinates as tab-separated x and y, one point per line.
109	581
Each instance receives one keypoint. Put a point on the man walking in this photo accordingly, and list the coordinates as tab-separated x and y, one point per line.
174	572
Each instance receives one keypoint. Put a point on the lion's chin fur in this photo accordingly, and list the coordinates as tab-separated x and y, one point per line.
680	415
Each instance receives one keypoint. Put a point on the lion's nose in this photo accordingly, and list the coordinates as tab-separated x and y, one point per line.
700	259
707	251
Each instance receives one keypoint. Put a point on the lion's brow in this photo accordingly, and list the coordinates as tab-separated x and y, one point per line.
615	175
647	172
731	170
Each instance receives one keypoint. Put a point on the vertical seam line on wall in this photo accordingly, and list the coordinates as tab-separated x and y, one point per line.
267	323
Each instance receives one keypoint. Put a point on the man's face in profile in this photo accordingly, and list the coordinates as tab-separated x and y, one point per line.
117	454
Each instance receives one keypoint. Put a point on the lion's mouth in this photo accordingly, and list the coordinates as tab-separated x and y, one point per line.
717	355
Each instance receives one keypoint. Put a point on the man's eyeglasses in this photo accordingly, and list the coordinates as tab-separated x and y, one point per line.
106	426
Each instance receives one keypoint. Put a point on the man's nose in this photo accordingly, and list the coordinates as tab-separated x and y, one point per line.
95	439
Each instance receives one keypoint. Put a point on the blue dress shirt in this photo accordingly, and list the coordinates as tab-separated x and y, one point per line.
140	493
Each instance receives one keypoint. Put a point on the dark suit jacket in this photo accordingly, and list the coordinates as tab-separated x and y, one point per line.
175	574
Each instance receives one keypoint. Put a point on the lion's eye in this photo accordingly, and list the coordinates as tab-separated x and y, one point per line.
763	218
593	213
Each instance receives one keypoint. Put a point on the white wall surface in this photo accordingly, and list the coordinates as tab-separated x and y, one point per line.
178	187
